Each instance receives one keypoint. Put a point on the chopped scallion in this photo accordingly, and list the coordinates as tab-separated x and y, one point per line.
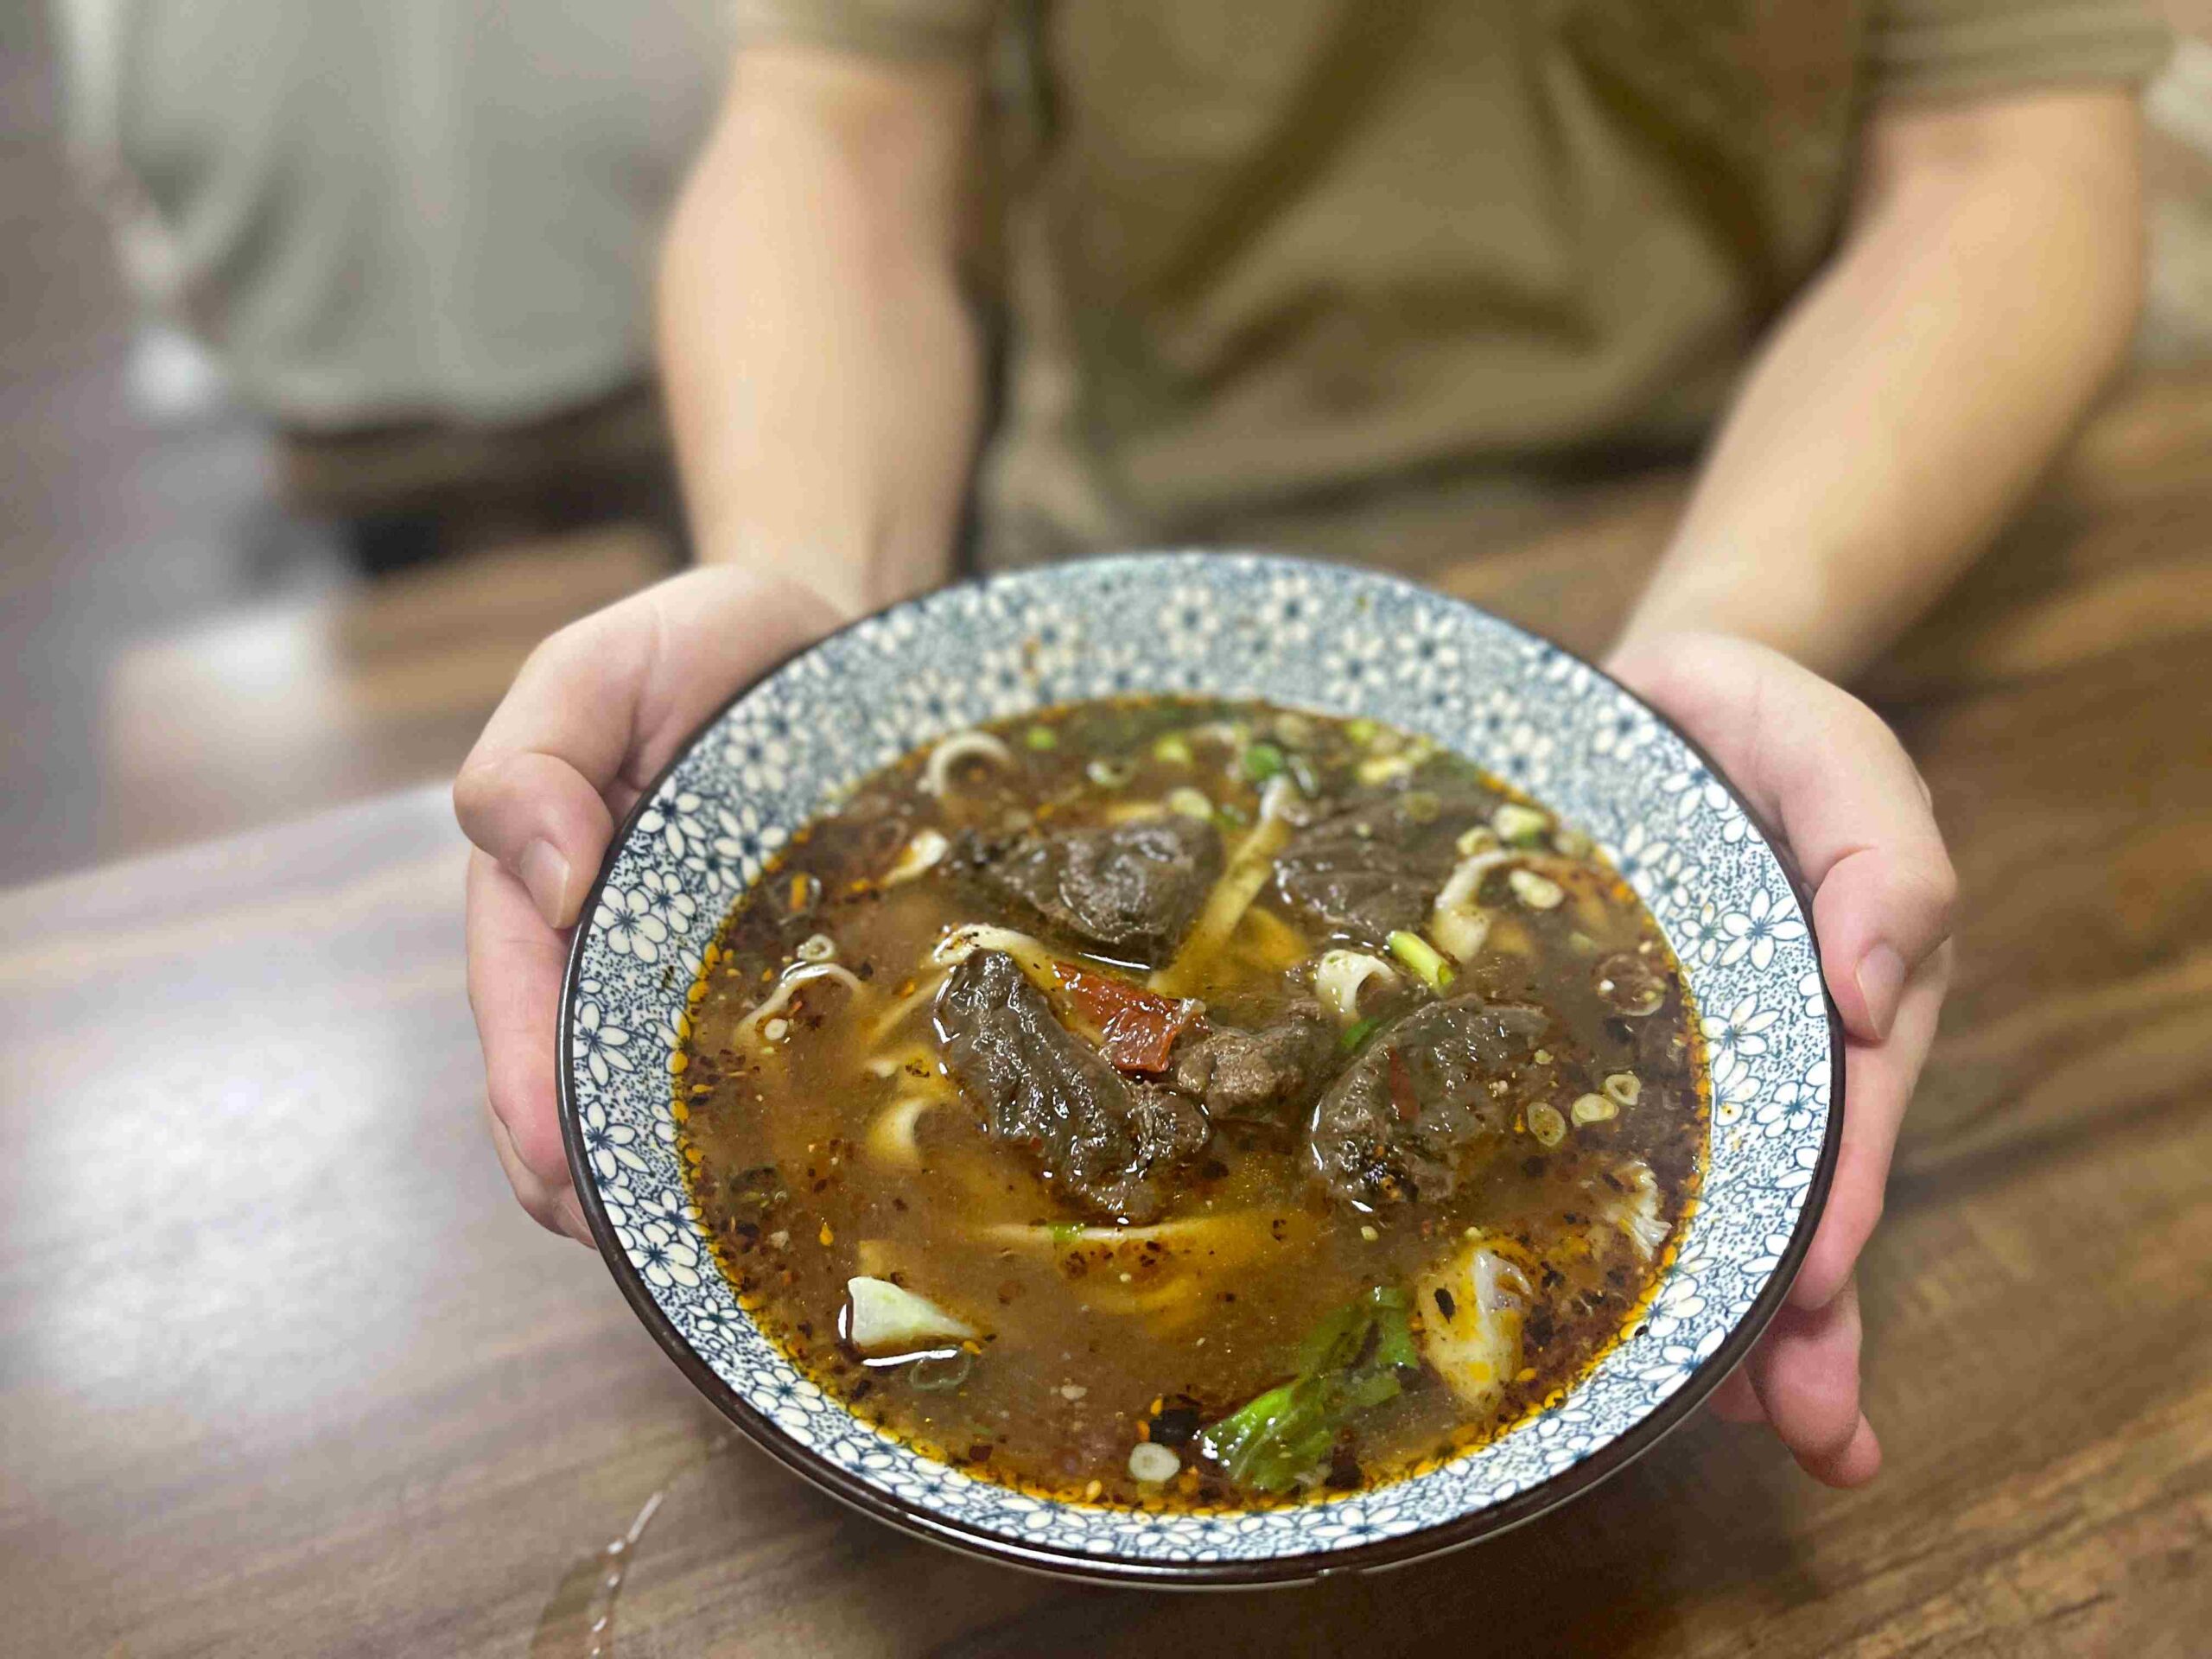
1357	1033
1427	962
1262	762
1593	1108
1191	803
933	1374
1041	737
1518	825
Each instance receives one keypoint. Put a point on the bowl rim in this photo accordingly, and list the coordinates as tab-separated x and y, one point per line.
1307	1567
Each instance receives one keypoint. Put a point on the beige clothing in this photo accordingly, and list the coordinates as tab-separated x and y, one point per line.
1273	252
401	210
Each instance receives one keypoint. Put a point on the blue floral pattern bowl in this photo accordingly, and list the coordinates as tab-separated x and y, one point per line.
1336	640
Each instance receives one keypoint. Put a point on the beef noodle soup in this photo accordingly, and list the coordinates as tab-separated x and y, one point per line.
1191	1104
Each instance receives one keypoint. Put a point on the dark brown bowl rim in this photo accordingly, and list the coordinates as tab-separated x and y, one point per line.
1087	1566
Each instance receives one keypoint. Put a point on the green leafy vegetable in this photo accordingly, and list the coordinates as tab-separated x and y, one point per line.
1271	1440
1349	1363
1376	1329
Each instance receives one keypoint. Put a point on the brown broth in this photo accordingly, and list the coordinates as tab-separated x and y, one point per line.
1091	1347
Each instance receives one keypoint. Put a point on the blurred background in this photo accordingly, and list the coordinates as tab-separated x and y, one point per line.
293	472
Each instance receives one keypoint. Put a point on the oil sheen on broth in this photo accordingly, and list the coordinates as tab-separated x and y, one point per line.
1178	1103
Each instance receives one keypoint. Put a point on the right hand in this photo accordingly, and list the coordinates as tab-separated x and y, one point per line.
594	715
1822	769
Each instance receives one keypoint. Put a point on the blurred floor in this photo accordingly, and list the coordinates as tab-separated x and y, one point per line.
183	656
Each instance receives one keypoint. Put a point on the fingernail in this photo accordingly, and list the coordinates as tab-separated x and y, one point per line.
1881	981
545	872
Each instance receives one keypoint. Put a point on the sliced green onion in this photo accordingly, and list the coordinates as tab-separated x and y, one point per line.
1065	1232
1378	769
1191	803
1357	1033
1361	731
1427	962
1518	825
1109	772
1262	762
1175	748
932	1374
1593	1108
1537	892
1041	737
1302	774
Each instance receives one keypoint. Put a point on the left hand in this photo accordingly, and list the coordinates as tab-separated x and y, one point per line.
595	713
1821	768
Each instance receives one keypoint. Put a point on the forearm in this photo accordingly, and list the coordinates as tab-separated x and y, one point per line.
820	366
1984	291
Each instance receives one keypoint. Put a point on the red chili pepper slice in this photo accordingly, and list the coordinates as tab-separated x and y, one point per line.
1138	1027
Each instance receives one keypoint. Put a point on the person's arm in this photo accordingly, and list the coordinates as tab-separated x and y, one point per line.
1985	285
822	374
822	368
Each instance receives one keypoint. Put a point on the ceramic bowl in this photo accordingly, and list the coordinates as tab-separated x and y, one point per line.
1336	640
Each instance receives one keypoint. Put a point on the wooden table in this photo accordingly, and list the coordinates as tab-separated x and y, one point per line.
282	1371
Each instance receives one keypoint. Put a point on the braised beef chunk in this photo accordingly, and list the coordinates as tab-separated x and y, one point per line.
1264	1073
1377	866
1415	1113
1100	1137
1168	1128
1129	889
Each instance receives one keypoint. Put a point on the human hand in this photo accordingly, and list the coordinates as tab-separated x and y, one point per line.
1822	769
595	713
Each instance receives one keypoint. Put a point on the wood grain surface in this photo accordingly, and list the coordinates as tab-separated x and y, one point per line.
282	1371
276	710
